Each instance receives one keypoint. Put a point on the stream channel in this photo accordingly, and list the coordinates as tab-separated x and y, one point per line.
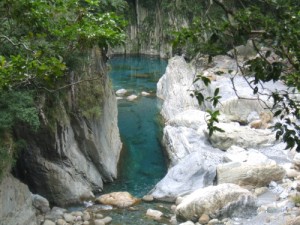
142	162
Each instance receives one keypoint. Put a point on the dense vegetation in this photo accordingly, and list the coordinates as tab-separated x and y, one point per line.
271	24
40	43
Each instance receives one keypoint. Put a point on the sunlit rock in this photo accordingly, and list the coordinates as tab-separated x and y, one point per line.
132	97
118	199
242	136
195	171
121	92
255	175
223	200
155	214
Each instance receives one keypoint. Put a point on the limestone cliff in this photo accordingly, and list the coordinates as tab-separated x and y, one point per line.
151	24
77	147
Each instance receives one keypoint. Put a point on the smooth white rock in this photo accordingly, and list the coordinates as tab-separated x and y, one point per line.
225	199
241	136
155	214
194	171
144	93
132	97
121	92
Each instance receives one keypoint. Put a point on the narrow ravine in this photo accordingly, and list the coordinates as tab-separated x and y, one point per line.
142	162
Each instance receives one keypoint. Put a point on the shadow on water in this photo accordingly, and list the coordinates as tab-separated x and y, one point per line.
142	162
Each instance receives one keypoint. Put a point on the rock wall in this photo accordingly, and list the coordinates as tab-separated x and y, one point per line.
150	26
73	153
16	203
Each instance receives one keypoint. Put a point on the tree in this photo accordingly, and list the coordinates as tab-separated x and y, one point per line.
40	41
271	24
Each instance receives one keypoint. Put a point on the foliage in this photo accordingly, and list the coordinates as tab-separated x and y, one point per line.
37	37
41	41
273	24
17	107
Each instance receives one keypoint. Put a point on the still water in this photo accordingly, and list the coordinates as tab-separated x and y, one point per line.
142	162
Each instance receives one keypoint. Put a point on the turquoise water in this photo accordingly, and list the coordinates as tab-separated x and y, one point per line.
142	162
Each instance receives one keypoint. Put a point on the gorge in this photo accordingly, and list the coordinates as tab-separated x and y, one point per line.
180	173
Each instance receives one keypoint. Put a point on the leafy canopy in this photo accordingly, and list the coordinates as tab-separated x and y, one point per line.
38	37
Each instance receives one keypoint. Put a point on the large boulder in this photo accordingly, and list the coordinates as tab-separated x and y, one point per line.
16	203
257	175
193	172
242	136
118	199
224	200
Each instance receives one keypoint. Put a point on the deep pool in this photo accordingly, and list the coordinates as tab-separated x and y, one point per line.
142	162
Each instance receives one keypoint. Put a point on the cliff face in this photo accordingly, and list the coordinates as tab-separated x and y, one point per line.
78	145
150	28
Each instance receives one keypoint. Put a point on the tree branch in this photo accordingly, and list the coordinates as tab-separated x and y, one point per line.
15	44
67	85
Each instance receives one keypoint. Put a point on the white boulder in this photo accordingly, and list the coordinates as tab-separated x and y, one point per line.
121	92
193	172
215	201
257	175
132	97
241	136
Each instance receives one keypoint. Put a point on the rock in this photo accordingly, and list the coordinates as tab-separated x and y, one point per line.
193	172
86	223
173	88
256	124
131	97
121	92
250	156
296	159
61	222
40	203
191	118
241	136
99	216
144	93
55	213
187	223
86	216
204	219
295	221
292	173
118	199
155	214
69	218
77	213
16	203
173	220
179	199
99	222
148	198
243	174
103	221
214	222
259	191
223	200
48	222
87	196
